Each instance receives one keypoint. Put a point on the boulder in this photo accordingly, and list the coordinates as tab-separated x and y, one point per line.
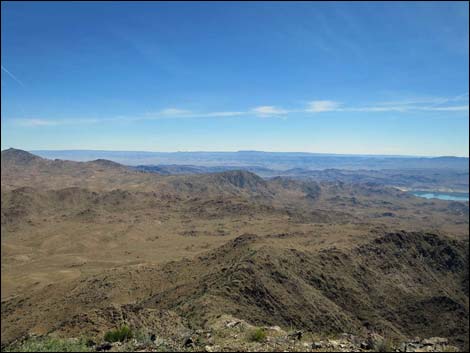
434	340
333	343
274	328
317	345
232	324
373	340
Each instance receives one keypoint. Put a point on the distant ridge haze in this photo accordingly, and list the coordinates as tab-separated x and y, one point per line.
273	160
244	152
445	174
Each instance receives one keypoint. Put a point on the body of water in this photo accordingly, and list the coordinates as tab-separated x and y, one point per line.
450	196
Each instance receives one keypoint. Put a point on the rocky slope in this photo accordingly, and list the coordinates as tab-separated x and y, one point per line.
401	285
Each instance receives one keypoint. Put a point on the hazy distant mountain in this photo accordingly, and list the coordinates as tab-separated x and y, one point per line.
413	179
441	173
272	160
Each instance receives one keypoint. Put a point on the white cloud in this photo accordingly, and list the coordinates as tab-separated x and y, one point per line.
406	108
425	103
376	109
35	122
322	106
452	108
183	113
415	101
265	111
268	110
222	114
174	112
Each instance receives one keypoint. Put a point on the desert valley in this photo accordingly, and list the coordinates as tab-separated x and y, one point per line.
201	261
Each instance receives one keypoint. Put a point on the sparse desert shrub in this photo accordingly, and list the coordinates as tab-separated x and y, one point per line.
143	336
48	344
384	345
257	335
121	334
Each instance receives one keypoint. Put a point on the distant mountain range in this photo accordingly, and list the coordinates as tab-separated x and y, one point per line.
446	174
271	160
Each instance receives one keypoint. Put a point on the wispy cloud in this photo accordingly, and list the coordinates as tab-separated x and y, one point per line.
168	113
174	112
432	101
12	76
377	109
36	122
415	101
416	104
270	111
449	109
184	113
223	114
322	106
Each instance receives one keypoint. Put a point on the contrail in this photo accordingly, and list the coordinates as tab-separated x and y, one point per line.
12	76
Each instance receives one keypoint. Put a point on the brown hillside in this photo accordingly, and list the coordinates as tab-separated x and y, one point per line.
404	284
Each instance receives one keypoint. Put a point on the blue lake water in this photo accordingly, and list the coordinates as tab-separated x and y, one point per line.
450	196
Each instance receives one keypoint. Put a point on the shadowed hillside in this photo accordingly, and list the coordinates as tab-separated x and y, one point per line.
405	284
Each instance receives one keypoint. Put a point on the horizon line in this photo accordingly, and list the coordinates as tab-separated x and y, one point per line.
250	151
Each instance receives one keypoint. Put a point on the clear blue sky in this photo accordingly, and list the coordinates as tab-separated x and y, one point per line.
378	78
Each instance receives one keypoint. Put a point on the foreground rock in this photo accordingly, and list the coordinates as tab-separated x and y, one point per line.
229	334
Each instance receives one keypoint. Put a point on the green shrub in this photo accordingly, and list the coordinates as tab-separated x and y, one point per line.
48	344
118	335
257	335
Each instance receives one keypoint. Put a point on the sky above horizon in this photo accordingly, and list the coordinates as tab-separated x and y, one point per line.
333	77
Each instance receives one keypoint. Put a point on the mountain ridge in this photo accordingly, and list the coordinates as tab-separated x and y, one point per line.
273	160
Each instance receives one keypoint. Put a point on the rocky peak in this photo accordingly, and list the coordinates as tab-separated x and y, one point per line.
20	157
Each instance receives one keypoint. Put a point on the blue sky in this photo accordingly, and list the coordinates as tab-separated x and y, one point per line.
375	78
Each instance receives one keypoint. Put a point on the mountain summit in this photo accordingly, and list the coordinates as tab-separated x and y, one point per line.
19	157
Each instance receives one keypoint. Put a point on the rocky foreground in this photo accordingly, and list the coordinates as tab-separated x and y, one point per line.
228	334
